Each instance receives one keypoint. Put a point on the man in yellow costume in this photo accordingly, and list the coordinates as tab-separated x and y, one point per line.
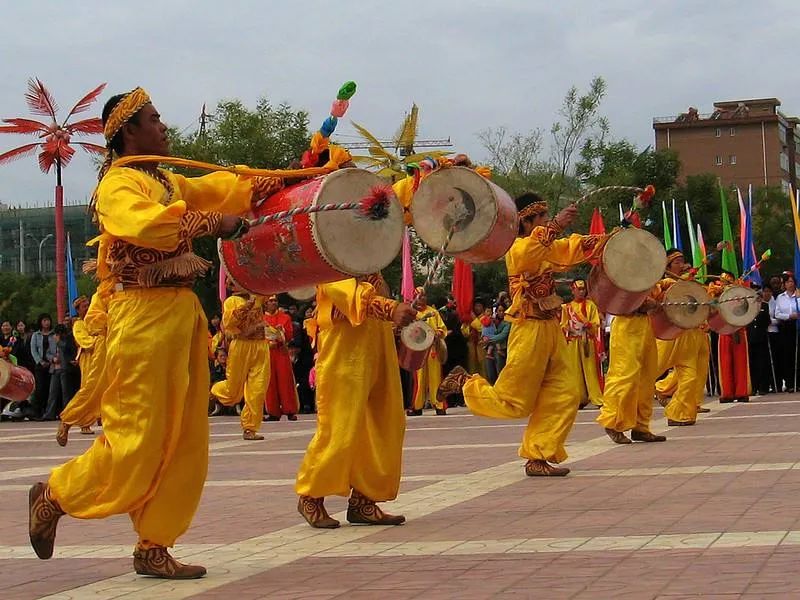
429	376
247	372
358	446
152	458
687	354
535	382
631	377
89	330
580	322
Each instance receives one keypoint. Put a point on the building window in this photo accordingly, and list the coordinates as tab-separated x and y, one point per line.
718	132
732	159
718	160
785	186
733	131
784	159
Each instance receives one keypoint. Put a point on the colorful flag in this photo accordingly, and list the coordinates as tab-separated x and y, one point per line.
676	228
407	279
72	283
729	263
463	290
597	227
748	248
702	269
667	235
796	220
692	234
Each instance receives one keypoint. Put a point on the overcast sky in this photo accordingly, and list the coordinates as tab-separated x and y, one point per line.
467	64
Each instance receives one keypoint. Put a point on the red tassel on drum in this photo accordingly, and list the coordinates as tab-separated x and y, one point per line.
375	206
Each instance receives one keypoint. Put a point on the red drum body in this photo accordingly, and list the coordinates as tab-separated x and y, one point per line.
416	340
16	383
685	307
633	262
737	307
309	249
485	213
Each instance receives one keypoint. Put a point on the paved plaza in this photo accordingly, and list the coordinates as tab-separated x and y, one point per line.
712	513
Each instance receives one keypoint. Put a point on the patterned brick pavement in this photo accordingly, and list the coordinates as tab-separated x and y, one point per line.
712	513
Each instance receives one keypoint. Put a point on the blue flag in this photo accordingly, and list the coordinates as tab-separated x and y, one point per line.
72	283
749	256
676	228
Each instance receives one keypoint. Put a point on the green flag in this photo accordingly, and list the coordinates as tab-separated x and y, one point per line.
667	235
728	253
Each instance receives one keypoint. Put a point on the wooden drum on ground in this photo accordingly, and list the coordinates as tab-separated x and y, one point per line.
485	213
309	249
16	383
633	261
303	294
416	340
737	308
685	307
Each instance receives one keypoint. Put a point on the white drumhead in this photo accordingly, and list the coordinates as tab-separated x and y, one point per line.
685	304
634	260
350	243
417	336
455	193
738	305
303	294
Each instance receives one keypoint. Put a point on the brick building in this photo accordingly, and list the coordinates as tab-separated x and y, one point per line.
743	142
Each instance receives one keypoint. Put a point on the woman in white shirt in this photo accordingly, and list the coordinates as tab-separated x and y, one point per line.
787	310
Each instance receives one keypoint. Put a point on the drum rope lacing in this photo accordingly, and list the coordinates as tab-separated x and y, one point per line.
710	302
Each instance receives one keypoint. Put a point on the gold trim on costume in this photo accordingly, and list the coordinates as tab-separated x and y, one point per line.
533	209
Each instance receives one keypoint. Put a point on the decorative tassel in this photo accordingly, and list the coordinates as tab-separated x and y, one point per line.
183	266
375	206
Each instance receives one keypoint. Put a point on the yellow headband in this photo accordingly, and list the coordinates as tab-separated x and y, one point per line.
130	104
533	209
673	255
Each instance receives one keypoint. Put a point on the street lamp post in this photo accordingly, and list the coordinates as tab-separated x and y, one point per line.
41	244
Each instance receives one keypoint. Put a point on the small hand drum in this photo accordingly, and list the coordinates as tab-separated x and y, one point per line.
16	383
416	340
686	306
737	308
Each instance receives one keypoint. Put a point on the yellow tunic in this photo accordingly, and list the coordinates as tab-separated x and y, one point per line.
536	381
90	335
247	372
360	420
152	458
580	322
430	375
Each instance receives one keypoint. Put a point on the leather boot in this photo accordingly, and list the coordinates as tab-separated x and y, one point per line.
43	516
672	423
87	431
451	384
249	434
542	468
62	435
663	400
363	511
617	436
156	562
703	410
646	436
313	511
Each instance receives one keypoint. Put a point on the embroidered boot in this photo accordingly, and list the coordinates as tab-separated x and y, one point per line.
646	436
451	384
155	561
313	511
62	435
542	468
363	511
249	434
87	431
43	516
617	436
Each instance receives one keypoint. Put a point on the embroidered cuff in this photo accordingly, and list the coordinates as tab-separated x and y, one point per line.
548	233
381	308
196	223
264	187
